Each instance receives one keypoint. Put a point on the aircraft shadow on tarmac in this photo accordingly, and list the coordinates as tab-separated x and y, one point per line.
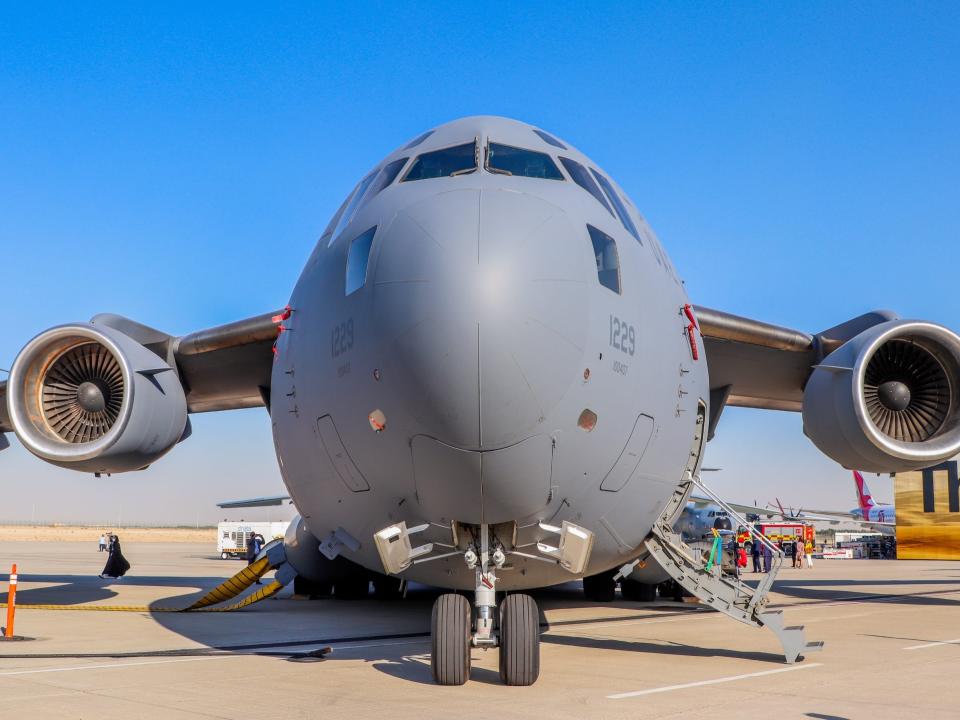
82	589
671	648
871	590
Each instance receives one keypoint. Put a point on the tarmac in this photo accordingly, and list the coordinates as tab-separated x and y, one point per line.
891	628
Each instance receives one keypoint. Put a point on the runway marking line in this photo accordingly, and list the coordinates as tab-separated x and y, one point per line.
113	666
715	681
933	644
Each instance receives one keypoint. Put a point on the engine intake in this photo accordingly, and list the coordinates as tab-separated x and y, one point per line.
889	399
88	397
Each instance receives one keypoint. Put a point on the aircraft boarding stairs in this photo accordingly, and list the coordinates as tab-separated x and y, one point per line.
722	591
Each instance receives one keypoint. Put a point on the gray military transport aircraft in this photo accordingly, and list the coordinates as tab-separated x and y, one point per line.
490	377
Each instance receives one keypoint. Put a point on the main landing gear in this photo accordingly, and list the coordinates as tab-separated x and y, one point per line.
456	630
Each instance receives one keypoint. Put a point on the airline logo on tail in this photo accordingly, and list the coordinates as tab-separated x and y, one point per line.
863	494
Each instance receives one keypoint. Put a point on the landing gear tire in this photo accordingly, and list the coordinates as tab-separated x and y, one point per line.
312	588
600	588
519	640
638	591
450	640
224	556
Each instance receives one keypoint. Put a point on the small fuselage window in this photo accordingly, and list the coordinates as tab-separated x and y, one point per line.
357	259
582	178
618	205
418	139
509	160
608	262
448	162
387	176
352	206
549	139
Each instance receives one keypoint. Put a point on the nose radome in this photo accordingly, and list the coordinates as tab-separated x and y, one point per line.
481	305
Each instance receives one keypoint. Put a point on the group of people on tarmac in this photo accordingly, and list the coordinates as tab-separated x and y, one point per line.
117	565
798	550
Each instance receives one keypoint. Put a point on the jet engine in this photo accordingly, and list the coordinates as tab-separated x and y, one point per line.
88	397
887	400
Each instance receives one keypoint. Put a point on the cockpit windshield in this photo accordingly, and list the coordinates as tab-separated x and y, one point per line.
456	160
509	160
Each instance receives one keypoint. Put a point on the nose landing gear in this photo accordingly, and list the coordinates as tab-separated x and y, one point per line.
517	631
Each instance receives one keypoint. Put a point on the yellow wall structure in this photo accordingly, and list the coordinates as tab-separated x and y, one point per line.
928	513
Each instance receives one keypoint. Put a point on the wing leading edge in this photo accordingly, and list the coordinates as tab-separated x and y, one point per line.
759	365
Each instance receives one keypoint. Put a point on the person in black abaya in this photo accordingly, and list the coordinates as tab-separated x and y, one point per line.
117	564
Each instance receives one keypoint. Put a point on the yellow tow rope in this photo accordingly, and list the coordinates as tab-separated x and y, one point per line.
227	590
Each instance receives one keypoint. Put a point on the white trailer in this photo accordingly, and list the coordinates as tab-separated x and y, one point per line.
232	536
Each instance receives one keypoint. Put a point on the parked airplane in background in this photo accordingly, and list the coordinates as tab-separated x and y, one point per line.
490	353
868	509
867	512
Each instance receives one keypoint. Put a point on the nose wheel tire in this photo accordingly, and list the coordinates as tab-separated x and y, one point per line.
638	591
519	640
600	588
450	640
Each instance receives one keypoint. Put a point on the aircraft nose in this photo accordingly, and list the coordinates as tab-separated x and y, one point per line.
481	305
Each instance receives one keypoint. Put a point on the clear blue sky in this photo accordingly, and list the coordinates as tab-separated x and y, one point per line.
175	164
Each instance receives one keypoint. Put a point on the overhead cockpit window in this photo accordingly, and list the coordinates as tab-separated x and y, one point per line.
509	160
550	139
618	205
608	262
582	178
387	175
417	140
357	259
350	210
456	160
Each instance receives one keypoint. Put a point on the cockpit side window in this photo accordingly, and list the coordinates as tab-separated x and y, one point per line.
387	175
618	205
608	261
509	160
550	139
456	160
357	259
417	140
582	178
350	210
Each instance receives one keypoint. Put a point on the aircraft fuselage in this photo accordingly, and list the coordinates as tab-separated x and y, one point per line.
464	349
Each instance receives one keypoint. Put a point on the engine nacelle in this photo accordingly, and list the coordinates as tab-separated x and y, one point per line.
889	399
88	397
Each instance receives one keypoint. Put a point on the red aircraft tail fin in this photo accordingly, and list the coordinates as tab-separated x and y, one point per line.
864	499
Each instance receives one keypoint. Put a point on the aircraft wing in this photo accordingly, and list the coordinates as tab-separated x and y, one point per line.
699	500
228	367
268	501
755	364
221	368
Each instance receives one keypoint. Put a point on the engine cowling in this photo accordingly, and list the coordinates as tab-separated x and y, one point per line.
889	399
88	397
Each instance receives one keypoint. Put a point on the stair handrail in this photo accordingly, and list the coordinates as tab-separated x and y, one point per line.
766	583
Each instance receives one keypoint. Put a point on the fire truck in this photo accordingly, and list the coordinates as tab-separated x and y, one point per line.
787	533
